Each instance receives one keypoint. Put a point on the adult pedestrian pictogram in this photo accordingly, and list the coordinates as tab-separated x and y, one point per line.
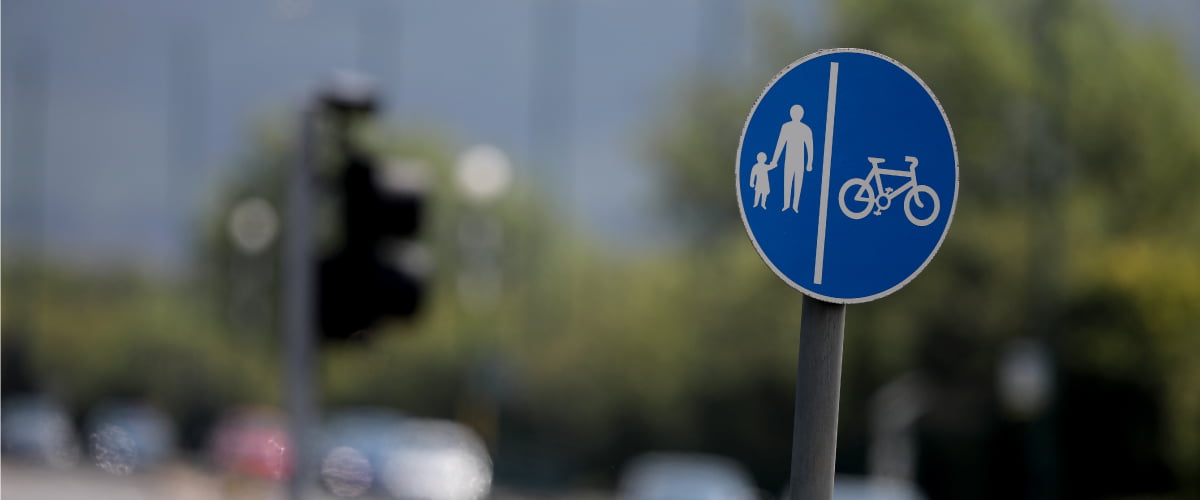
880	139
797	138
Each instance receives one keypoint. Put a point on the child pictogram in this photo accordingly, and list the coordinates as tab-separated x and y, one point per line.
760	182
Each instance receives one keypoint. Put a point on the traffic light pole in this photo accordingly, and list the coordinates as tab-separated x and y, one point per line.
818	387
298	304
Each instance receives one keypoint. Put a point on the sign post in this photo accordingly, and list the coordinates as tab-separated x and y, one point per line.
878	136
818	385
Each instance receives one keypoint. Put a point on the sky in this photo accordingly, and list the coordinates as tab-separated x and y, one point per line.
95	149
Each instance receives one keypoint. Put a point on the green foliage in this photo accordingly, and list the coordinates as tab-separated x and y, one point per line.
90	338
700	135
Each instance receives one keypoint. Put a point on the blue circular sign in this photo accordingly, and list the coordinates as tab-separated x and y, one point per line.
847	175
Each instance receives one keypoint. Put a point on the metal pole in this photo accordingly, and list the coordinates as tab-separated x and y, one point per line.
297	303
818	385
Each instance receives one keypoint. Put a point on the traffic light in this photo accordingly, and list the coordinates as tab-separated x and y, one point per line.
360	282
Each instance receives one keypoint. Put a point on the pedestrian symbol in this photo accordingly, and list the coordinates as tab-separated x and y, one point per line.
797	138
879	127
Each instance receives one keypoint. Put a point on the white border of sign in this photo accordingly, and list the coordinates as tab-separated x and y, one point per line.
738	170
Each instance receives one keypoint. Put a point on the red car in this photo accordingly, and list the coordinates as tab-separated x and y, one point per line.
253	442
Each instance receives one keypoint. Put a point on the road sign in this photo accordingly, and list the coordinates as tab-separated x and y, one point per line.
847	175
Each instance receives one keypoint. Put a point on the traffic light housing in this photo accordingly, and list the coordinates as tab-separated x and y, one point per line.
359	284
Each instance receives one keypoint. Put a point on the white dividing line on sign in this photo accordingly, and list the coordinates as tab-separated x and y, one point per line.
819	265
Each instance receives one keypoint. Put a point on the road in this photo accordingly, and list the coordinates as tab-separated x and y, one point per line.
20	481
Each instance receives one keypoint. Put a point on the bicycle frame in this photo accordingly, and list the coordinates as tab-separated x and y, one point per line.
878	172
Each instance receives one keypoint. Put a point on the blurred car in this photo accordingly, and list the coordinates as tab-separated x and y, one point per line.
685	476
253	442
124	438
847	487
355	446
437	460
850	487
38	430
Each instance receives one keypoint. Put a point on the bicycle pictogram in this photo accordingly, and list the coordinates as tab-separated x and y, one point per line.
879	198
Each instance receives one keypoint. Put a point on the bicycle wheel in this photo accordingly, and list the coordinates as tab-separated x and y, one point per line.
916	195
864	193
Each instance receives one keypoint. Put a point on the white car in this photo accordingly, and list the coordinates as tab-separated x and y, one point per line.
437	460
848	487
685	476
38	430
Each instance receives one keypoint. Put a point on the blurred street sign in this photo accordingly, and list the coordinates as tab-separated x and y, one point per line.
847	175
